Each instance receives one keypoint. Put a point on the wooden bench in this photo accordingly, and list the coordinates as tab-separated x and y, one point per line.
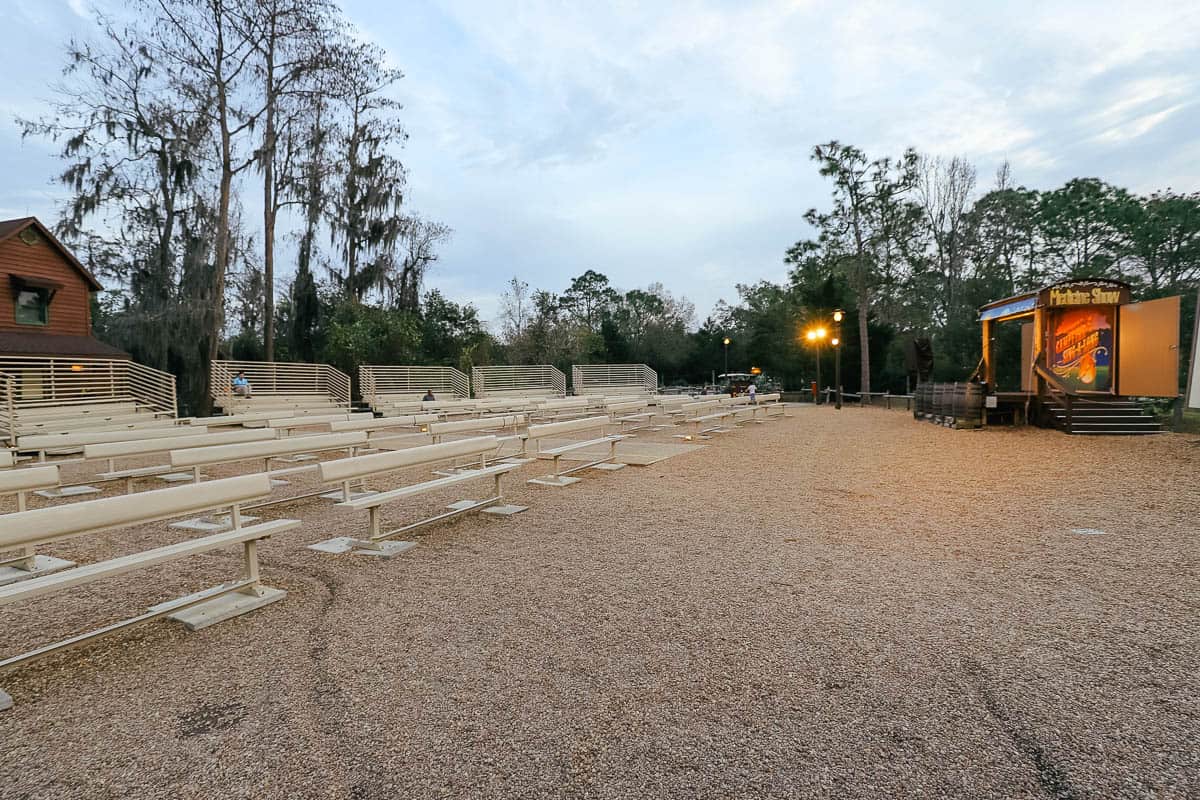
439	429
348	470
111	451
696	408
306	421
565	406
86	411
57	443
196	457
64	424
710	423
27	563
247	419
95	426
29	529
536	433
633	413
384	423
769	405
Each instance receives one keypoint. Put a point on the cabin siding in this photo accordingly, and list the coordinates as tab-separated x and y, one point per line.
70	309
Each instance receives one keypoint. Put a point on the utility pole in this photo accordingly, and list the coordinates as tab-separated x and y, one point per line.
837	355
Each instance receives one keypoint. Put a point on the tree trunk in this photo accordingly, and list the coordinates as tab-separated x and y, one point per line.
269	203
269	287
864	308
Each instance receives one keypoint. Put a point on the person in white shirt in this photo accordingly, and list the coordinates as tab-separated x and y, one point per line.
752	391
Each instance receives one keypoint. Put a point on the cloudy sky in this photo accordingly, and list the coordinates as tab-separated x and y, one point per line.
668	141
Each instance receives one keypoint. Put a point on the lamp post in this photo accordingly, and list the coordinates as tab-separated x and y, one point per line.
726	358
816	336
838	315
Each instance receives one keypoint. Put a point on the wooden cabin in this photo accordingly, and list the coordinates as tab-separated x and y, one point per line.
45	310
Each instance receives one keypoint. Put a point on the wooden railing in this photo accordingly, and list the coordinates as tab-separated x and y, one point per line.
281	378
1056	388
537	380
38	382
613	379
8	418
388	380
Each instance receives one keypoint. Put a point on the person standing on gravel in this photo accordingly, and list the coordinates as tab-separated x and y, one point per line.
752	390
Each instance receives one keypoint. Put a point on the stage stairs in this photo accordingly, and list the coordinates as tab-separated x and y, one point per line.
1098	416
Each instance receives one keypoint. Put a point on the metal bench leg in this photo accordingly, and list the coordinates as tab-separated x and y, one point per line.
250	566
28	559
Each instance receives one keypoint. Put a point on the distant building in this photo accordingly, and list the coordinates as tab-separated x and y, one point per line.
46	307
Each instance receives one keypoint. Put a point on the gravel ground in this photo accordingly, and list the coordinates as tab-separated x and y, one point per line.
838	605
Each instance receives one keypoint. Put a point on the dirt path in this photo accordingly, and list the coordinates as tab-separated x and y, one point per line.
840	605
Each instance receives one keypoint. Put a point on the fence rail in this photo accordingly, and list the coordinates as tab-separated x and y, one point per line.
32	383
8	418
536	380
613	379
281	378
374	381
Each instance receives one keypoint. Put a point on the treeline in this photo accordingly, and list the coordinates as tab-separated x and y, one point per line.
174	119
178	115
910	248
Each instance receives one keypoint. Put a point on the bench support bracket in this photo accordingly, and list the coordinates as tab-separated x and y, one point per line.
12	571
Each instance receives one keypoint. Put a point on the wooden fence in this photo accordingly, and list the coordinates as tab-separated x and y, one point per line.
281	378
36	383
613	379
374	381
537	380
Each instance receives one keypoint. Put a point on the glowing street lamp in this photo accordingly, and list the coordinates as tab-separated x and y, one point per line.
726	342
815	336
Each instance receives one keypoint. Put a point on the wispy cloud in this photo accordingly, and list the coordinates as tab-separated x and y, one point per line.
669	141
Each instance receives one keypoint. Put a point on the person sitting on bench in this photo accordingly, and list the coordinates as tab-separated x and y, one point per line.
241	386
428	398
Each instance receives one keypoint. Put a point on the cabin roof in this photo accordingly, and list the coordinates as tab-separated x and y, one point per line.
11	227
20	343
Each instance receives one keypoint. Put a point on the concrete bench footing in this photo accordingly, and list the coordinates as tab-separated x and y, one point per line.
227	606
339	496
42	565
350	544
6	702
505	510
178	477
610	466
66	491
554	480
211	524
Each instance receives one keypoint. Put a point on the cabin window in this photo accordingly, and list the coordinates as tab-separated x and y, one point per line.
33	306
